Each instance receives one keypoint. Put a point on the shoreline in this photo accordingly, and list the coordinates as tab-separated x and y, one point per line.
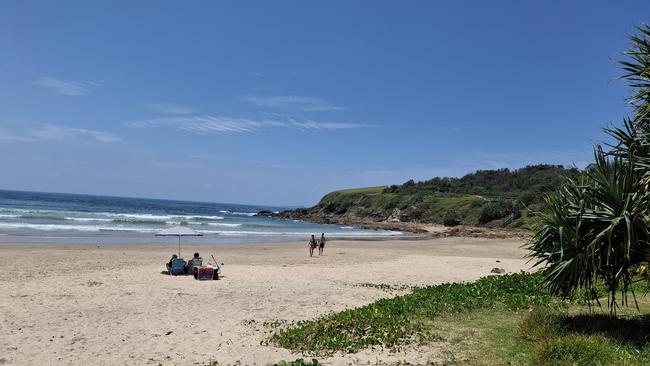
199	241
428	232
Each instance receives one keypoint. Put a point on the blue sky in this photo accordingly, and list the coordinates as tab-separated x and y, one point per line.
280	102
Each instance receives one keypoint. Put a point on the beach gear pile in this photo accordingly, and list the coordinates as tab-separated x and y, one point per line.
194	267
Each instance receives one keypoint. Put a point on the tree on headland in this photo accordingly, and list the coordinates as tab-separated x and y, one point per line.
596	229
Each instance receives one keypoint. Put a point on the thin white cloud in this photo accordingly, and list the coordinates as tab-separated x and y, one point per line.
205	124
65	87
63	133
291	103
327	126
170	108
220	125
9	136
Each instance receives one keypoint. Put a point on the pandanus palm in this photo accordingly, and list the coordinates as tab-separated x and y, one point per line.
597	228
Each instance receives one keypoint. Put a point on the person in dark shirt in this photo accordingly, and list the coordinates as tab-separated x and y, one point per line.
169	264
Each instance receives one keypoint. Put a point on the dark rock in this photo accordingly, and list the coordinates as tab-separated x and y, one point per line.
498	270
267	213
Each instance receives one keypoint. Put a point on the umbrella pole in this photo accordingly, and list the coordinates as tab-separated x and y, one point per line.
179	246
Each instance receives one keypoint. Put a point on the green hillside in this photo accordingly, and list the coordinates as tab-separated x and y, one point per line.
500	197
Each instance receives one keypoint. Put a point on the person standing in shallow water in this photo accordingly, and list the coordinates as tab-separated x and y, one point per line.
322	244
312	245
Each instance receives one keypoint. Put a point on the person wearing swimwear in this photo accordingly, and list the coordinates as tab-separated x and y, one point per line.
312	245
322	244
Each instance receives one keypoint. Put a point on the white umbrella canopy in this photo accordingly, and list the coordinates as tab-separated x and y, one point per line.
179	231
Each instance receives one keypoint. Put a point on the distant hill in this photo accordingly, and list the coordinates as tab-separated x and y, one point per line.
500	197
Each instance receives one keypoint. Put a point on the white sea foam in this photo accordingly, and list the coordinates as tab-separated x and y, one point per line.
54	227
98	216
147	217
220	224
88	219
79	215
213	224
196	217
238	213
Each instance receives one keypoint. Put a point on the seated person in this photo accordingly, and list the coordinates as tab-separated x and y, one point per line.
169	264
196	261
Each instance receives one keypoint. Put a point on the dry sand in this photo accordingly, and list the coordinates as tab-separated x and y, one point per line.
110	305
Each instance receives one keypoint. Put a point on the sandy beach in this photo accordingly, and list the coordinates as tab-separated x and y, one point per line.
111	305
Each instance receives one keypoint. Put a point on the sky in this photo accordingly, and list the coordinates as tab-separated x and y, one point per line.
281	102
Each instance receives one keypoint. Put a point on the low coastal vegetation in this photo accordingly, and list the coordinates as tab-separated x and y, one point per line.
402	319
509	319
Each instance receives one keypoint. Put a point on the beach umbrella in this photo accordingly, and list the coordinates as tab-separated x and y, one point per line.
179	231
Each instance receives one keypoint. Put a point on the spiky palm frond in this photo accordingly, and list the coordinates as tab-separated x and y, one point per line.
637	71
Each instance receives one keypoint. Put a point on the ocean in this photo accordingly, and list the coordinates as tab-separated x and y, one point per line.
37	217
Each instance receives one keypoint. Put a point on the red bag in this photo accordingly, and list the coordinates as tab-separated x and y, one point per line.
206	273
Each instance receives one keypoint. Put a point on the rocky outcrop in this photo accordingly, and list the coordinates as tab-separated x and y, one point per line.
267	213
319	216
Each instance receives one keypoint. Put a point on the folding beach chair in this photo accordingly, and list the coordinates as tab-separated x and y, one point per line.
178	267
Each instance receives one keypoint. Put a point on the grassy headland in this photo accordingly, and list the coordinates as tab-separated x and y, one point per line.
494	198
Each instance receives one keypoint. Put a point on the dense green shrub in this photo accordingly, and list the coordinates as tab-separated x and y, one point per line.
533	181
493	211
451	218
477	203
528	198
